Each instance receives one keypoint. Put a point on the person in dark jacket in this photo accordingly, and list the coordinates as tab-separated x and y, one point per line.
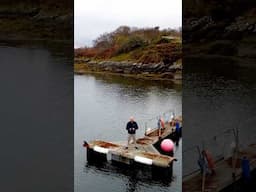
177	132
131	127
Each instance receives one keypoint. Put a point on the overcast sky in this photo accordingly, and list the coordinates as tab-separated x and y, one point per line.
95	17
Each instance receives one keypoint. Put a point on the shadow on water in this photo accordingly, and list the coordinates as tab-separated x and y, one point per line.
231	71
134	82
133	177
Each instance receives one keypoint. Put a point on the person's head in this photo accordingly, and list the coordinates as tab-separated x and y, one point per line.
131	118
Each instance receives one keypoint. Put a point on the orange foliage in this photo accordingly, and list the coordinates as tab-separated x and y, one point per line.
125	40
86	52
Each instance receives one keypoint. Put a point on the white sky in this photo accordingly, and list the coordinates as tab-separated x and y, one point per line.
95	17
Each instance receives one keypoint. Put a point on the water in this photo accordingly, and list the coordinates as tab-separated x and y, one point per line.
217	98
103	105
36	116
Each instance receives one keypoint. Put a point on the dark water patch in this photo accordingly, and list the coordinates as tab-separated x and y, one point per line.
36	117
217	98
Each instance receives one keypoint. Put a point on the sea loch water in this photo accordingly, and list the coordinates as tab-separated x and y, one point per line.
103	105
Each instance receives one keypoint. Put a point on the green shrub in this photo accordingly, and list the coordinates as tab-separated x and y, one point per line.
132	43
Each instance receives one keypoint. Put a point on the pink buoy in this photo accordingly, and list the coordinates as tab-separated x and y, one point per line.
167	145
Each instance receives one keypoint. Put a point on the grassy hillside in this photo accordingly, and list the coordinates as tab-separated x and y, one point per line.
146	45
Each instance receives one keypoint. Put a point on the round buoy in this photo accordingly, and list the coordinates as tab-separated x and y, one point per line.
167	145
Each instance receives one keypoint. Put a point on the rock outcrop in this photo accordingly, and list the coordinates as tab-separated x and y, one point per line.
160	70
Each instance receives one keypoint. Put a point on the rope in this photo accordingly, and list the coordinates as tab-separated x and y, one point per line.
219	138
164	114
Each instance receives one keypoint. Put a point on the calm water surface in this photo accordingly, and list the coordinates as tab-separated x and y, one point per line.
103	105
36	116
215	99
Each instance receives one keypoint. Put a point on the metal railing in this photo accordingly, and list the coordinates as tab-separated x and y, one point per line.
222	145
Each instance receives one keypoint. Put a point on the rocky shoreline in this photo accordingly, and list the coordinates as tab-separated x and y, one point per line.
153	71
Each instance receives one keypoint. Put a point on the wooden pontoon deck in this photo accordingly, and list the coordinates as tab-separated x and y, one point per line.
145	153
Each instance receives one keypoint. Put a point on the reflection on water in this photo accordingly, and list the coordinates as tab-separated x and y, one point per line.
134	177
37	94
217	98
130	81
103	105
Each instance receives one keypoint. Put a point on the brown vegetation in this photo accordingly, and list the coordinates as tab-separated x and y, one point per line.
146	45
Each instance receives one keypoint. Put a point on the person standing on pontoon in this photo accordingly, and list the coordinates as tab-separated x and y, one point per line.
131	127
160	126
210	161
177	132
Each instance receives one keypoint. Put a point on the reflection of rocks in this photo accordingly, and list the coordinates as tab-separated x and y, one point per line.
37	20
233	36
24	13
198	23
241	24
42	16
225	48
205	27
219	33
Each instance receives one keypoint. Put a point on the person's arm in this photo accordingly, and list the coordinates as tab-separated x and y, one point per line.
136	126
127	126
